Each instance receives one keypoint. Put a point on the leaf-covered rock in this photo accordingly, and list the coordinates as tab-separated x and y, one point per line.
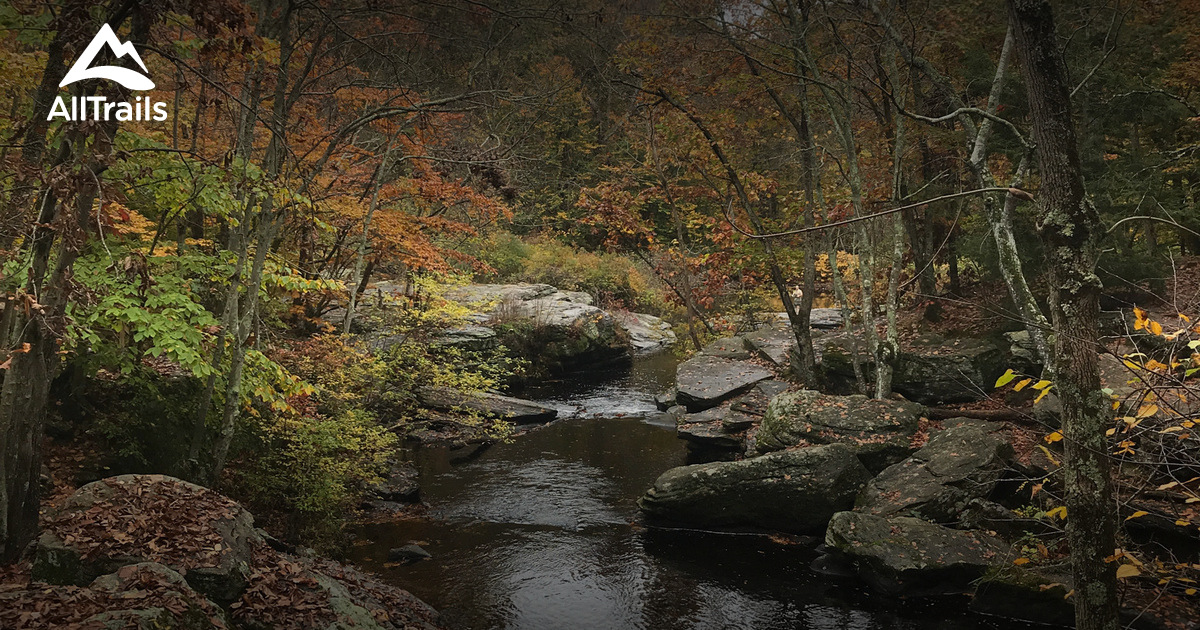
703	382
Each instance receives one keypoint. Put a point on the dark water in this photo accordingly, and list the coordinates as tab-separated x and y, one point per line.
541	533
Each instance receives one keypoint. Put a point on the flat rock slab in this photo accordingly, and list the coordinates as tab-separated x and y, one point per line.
880	431
704	382
907	556
793	491
773	342
493	405
956	466
826	318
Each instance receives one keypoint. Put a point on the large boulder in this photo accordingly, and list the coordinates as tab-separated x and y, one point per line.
931	369
792	491
558	330
879	431
131	519
727	348
703	382
773	341
956	465
934	370
907	556
491	405
143	596
647	334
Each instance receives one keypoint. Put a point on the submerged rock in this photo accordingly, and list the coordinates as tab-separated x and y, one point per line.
493	405
704	382
907	556
879	431
400	485
956	465
792	491
408	554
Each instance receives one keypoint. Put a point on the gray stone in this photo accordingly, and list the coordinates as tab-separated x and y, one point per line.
705	382
907	556
492	405
879	431
956	466
665	400
793	491
727	348
709	435
773	342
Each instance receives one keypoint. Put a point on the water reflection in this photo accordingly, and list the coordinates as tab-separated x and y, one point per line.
541	533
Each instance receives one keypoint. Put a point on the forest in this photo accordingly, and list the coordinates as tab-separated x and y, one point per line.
548	314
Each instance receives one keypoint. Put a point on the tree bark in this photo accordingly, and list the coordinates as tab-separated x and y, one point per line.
1072	232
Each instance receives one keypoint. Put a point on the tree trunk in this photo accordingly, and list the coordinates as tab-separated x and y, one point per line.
1072	232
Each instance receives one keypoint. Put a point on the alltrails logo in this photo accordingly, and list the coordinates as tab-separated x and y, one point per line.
98	107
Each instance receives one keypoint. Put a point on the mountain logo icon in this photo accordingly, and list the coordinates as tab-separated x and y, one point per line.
126	77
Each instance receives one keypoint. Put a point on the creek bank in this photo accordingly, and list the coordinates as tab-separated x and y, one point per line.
152	551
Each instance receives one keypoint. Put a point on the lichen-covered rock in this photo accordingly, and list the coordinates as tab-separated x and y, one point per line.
907	556
956	465
130	519
793	491
703	382
879	431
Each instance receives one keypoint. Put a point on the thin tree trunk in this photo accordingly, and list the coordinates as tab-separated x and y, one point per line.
1072	233
360	256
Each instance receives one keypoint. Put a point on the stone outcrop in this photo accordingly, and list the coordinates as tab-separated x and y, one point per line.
791	491
932	370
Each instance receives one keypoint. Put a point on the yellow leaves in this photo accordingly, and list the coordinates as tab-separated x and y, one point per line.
1049	455
1054	437
1021	385
1183	523
1041	395
1147	410
1021	561
1059	512
1156	328
1137	514
1041	385
1006	378
1126	571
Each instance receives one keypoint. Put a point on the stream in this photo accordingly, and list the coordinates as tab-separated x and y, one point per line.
542	534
